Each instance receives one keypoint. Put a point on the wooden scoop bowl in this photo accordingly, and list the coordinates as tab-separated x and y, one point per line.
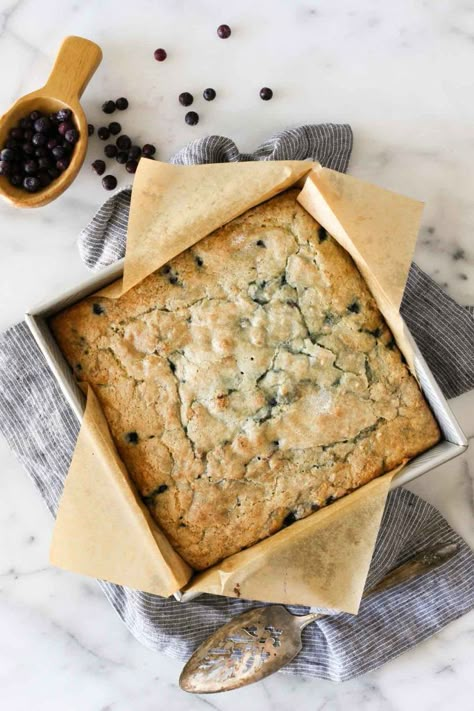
77	60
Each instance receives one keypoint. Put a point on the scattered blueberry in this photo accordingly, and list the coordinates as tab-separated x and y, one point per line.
90	129
148	150
223	31
266	94
185	99
103	133
123	142
191	118
108	107
98	166
122	103
109	182
134	153
122	157
110	150
131	166
209	94
115	127
160	55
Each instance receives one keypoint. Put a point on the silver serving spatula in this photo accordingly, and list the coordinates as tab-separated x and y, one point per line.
258	642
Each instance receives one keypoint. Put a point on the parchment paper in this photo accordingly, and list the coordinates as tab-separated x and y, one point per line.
322	560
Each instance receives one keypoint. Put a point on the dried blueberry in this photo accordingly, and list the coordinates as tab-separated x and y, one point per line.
98	166
72	136
7	154
115	128
131	437
44	163
209	94
131	166
64	127
103	133
31	184
97	309
39	139
62	164
123	142
42	125
110	150
16	180
148	150
260	243
199	261
30	166
160	54
63	115
185	99
109	182
108	107
58	152
162	488
122	103
266	94
191	118
224	31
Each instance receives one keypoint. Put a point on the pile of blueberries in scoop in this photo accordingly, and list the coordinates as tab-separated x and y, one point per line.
38	149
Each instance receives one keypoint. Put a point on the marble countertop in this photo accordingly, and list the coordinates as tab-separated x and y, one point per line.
401	75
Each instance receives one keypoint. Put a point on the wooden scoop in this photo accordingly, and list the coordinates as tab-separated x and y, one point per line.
77	60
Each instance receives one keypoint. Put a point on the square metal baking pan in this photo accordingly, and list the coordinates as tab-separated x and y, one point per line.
453	443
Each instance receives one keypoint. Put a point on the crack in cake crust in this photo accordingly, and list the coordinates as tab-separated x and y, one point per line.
248	382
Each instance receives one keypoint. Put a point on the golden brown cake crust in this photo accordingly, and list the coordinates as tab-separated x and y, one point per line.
249	382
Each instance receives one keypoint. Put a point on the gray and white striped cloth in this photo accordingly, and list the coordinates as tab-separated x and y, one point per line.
41	430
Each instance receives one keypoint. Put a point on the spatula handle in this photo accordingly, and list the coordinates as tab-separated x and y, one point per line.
76	62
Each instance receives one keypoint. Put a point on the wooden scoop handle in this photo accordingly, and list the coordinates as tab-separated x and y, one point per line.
76	62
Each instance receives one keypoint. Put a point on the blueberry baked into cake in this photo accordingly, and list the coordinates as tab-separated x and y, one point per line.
249	382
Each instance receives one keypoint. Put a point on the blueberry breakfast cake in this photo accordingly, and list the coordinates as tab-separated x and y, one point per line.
249	382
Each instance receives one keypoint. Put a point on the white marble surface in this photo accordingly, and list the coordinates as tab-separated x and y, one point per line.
401	74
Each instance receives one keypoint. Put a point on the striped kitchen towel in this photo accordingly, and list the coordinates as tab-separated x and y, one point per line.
41	430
